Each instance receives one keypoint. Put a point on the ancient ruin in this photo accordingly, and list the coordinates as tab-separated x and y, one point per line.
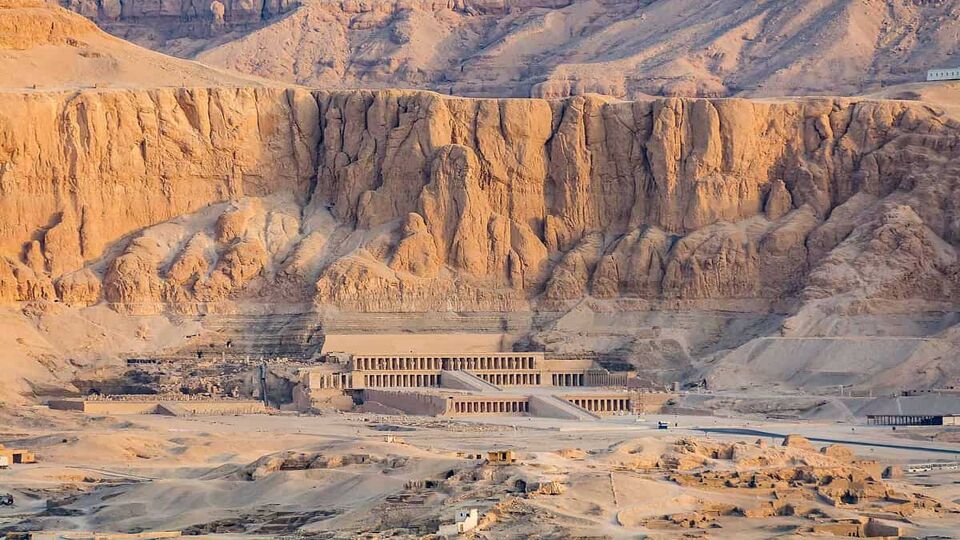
514	384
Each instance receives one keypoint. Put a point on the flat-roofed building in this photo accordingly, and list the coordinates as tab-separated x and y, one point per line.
914	419
944	74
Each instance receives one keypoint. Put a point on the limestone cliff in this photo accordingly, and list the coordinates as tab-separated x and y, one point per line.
182	11
193	199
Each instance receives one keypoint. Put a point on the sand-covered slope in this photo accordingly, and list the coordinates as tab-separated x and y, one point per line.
43	46
562	47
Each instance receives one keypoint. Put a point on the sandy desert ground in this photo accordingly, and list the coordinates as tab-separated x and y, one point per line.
354	475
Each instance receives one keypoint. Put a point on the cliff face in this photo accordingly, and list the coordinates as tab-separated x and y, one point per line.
79	172
410	201
233	11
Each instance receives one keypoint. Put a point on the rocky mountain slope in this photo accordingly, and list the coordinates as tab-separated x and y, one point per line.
410	201
661	232
556	48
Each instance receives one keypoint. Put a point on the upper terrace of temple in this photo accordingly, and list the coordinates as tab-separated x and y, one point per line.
449	362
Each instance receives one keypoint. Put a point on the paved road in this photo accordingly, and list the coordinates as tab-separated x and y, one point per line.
759	433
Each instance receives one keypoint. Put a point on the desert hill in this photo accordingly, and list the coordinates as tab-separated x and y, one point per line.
555	48
46	47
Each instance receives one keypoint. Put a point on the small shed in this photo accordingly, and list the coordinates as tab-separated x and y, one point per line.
501	457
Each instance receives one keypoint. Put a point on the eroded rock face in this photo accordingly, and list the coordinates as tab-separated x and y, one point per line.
235	11
410	201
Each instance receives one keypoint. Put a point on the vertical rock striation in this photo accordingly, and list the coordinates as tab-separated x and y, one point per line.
411	201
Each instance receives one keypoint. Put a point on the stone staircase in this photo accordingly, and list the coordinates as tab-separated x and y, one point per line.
557	407
462	380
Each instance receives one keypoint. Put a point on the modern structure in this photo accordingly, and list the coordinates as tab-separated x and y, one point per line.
466	520
944	74
12	456
914	419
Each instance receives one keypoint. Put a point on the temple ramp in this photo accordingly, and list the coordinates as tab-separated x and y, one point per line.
461	380
556	407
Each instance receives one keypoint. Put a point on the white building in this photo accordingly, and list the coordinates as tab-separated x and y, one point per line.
467	520
944	74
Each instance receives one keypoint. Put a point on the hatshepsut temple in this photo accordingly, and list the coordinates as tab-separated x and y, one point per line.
466	384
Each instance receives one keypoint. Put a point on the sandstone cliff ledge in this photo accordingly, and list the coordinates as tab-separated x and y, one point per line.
192	199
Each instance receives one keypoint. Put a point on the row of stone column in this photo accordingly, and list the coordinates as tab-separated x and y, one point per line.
511	379
568	379
402	380
902	420
490	407
604	378
602	405
397	363
331	380
473	363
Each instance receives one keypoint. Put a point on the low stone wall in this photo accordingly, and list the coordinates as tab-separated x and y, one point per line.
169	407
120	407
408	402
210	408
65	404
